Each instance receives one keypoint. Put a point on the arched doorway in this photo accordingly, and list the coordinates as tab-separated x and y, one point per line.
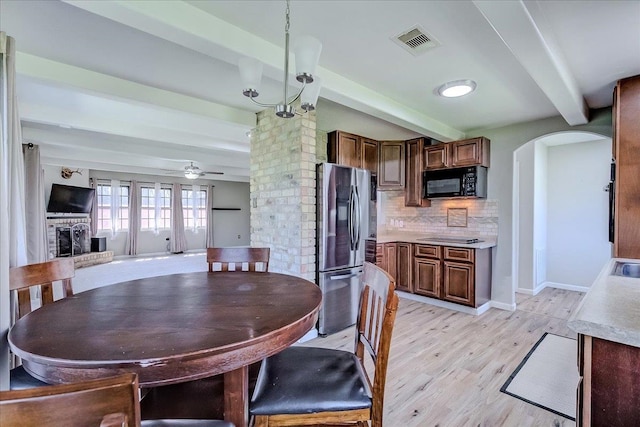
560	211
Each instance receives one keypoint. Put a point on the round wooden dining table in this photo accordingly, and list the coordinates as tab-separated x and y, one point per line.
170	329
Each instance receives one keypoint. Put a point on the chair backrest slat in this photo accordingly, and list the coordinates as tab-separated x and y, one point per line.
83	404
256	259
378	307
41	274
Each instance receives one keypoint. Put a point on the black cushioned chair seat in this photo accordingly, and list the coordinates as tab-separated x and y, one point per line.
19	379
302	380
186	423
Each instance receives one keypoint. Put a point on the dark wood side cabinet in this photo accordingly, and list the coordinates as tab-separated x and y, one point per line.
391	165
609	389
352	150
458	154
414	165
626	143
458	275
404	267
427	270
395	259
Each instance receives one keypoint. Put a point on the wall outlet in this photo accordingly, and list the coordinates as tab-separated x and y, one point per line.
238	236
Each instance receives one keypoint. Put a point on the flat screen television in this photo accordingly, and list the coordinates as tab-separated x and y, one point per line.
70	199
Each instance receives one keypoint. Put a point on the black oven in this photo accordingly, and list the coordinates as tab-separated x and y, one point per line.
459	182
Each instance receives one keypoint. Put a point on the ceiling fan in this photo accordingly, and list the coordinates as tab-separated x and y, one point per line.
194	172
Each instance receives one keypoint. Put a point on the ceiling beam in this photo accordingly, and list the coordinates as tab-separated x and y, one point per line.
119	89
105	147
525	31
186	25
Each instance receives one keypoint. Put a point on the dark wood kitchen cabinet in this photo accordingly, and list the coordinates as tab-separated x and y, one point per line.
414	165
391	165
387	258
404	267
626	146
395	259
458	154
458	275
609	389
352	150
427	270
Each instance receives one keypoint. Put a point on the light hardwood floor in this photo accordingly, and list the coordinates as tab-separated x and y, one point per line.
446	367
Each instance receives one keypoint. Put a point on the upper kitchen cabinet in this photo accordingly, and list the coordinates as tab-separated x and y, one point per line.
626	240
458	154
353	150
391	165
414	165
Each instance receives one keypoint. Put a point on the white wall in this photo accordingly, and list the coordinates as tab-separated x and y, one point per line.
525	159
504	141
539	214
577	235
231	228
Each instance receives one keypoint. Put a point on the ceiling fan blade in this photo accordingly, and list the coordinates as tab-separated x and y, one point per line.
213	173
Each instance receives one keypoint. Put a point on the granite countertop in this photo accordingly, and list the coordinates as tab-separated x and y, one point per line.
431	239
611	308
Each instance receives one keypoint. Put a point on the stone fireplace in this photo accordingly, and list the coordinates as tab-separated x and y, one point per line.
71	237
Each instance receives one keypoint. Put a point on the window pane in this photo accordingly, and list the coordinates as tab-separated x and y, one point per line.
104	200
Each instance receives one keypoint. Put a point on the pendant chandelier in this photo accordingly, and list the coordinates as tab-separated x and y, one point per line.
307	52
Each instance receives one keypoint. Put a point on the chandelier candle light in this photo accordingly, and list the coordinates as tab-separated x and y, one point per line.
307	52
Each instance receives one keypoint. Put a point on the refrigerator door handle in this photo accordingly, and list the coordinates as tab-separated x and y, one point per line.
357	219
351	219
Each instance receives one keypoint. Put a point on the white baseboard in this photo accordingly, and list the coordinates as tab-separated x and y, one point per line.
576	288
534	291
503	306
445	304
556	285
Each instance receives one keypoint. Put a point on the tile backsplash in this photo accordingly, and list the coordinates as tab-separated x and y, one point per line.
482	216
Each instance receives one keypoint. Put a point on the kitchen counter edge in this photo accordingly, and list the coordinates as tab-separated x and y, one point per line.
488	242
611	308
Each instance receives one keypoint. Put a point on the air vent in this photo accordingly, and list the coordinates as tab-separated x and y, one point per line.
415	40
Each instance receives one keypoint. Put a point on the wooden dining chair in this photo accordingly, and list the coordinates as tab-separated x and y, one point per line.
42	275
104	402
256	259
314	386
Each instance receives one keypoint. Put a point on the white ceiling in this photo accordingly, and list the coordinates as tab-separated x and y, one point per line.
147	86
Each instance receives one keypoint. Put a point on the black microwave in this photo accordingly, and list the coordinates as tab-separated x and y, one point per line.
458	182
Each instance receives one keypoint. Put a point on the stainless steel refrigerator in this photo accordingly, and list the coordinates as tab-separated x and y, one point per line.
346	237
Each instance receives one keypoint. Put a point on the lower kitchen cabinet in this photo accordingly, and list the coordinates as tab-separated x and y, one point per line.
395	259
458	283
404	267
608	392
458	275
427	277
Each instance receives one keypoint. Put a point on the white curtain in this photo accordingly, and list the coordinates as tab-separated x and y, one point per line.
36	211
131	247
115	207
94	208
178	240
13	240
209	241
157	205
195	204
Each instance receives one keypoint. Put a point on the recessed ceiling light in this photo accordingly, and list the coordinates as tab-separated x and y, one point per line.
457	88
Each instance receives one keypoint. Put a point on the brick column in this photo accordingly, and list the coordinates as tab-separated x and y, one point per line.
283	194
